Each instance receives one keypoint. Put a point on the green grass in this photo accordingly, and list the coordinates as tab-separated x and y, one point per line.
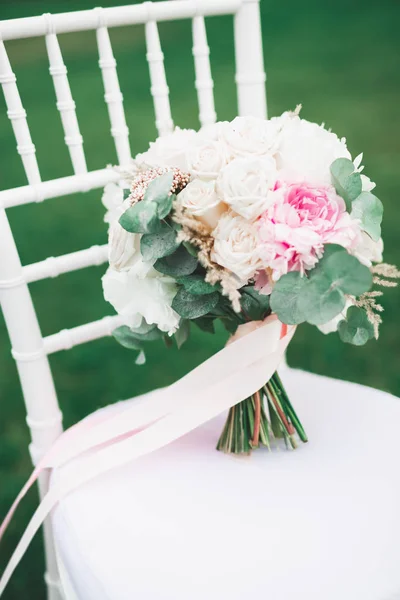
339	59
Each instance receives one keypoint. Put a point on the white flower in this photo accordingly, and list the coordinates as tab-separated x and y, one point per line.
169	150
248	136
112	199
247	185
332	325
306	152
123	247
136	297
200	200
367	251
236	246
206	159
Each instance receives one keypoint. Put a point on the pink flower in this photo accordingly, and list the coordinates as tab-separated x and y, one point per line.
293	232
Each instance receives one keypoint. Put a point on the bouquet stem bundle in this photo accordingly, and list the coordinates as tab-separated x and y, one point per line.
256	421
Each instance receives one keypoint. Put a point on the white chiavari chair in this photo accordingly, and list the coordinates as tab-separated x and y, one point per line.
157	573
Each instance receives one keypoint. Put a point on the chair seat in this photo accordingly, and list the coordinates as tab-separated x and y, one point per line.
190	523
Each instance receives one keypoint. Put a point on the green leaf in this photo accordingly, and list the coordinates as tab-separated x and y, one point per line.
151	335
254	304
195	284
285	298
168	341
191	248
178	264
321	297
127	193
369	209
124	336
205	324
230	325
189	306
159	192
320	301
347	183
182	335
160	244
344	271
356	328
141	218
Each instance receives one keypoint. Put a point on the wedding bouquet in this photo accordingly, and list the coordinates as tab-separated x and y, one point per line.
239	221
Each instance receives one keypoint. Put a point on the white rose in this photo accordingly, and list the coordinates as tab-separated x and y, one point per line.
169	150
206	159
199	199
247	185
236	246
332	325
248	136
213	131
306	152
136	297
368	251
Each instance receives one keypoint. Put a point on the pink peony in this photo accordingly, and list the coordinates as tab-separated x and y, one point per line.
293	232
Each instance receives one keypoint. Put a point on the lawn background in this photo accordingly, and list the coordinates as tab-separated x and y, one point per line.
340	59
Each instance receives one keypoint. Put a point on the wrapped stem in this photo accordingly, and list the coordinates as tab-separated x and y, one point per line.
253	422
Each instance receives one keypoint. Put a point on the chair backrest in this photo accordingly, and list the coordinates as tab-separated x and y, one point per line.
29	348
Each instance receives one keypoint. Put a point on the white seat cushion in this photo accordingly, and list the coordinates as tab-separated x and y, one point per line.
190	523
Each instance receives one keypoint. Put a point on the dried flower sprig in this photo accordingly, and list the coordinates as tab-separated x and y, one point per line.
142	179
194	232
383	273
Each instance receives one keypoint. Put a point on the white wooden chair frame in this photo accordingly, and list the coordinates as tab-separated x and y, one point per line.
29	348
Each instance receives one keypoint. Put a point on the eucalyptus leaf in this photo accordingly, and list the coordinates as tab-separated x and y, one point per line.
344	271
356	328
205	324
141	358
190	248
182	334
124	336
369	209
160	244
189	306
346	181
254	304
285	298
168	341
195	284
151	335
320	297
320	301
178	264
159	192
141	218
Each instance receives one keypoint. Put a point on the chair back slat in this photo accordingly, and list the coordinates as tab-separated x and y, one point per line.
204	82
118	16
55	188
53	266
159	88
250	74
69	338
65	102
17	115
112	93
